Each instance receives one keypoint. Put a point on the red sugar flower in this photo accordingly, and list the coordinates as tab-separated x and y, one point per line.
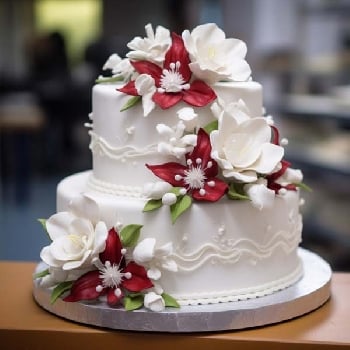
112	277
173	80
198	176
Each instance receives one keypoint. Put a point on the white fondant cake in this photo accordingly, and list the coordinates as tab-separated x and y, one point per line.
189	200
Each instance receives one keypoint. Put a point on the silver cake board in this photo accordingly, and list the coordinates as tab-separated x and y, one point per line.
309	293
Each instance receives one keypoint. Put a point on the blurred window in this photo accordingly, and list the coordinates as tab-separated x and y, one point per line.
79	21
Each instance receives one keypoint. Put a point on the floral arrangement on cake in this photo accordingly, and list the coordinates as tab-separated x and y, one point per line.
90	261
237	155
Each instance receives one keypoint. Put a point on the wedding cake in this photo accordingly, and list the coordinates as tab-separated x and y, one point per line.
190	200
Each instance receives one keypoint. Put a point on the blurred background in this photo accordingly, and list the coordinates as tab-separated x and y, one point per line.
51	51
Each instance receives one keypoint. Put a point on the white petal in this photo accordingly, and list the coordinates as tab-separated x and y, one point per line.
67	248
71	265
270	156
154	302
243	176
147	104
86	207
101	233
112	61
58	224
290	176
164	250
260	195
165	130
169	198
144	251
47	258
154	274
189	140
169	265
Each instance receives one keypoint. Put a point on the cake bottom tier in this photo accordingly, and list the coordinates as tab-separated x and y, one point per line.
225	251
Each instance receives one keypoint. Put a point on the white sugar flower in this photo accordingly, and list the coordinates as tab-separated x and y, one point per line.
188	117
120	67
155	259
290	176
154	302
215	58
260	195
151	48
156	190
177	143
77	238
146	87
243	150
237	110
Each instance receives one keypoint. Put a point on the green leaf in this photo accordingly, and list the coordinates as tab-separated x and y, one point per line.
109	79
211	126
130	234
176	191
43	224
181	205
131	102
152	204
170	301
303	187
41	274
59	290
236	192
132	302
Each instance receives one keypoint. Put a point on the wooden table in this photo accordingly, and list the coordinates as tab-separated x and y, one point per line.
24	325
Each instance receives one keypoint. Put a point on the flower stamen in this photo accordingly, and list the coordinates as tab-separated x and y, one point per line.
172	80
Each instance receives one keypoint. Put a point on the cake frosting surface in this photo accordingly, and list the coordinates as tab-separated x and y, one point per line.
189	200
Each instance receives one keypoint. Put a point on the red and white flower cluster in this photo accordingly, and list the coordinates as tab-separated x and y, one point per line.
95	262
165	68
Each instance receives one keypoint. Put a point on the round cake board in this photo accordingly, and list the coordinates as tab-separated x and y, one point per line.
309	293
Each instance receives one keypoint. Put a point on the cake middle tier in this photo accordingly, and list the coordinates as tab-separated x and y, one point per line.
122	142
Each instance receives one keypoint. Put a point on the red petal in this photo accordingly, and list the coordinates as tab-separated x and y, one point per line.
177	52
84	288
274	176
199	94
167	172
138	280
166	100
150	68
112	252
112	299
129	89
202	150
212	194
275	135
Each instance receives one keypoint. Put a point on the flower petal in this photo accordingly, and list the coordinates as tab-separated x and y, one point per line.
199	94
144	251
146	67
112	252
112	299
202	150
166	100
101	234
84	288
178	53
58	224
85	206
270	156
167	172
212	193
138	280
129	89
